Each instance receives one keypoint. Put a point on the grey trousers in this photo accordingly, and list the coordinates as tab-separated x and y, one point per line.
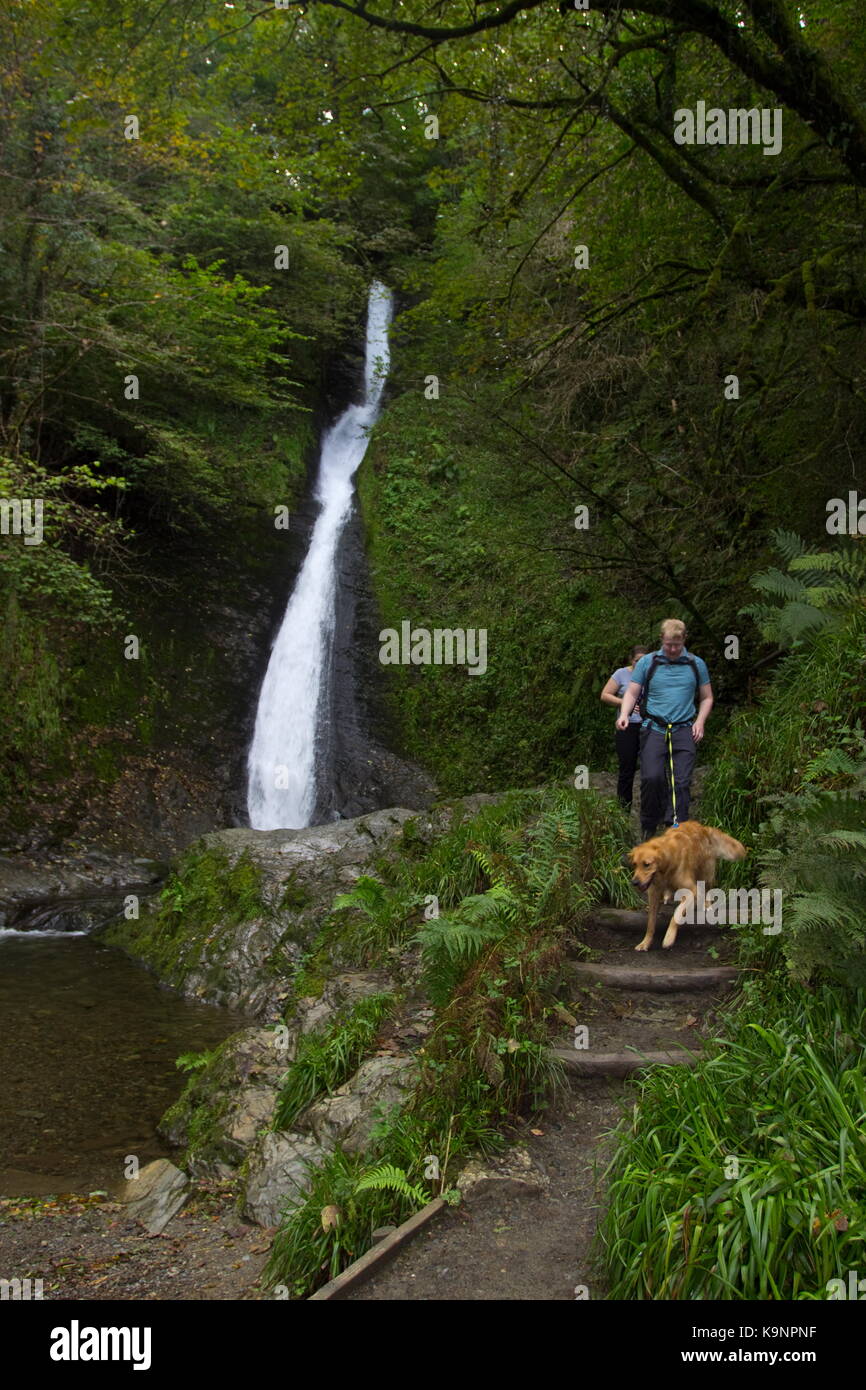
656	803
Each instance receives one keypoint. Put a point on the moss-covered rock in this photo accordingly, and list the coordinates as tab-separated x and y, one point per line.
242	908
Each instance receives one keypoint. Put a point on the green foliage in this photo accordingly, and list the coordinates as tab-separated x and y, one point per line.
552	638
821	589
325	1060
207	890
790	739
387	1178
683	1222
568	856
194	1061
308	1250
816	856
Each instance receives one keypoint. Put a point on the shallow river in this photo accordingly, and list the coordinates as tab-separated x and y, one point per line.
87	1047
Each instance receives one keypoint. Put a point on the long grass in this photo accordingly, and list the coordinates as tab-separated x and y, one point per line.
745	1178
325	1060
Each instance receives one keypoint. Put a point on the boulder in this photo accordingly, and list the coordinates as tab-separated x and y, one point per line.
348	1116
156	1195
512	1174
278	1175
225	1107
290	880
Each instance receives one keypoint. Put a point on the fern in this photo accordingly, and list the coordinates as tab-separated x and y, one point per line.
818	863
388	1178
819	590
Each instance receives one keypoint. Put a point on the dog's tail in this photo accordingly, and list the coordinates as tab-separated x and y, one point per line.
725	846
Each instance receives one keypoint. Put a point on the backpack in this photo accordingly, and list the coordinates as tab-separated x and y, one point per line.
644	695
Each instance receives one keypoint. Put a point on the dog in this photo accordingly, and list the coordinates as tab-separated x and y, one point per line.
682	857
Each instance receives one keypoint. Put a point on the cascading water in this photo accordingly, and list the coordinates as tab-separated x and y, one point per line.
282	760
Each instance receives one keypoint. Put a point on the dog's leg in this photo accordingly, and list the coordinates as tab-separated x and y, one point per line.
679	917
652	914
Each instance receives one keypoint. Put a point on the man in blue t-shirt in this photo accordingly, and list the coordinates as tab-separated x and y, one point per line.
673	724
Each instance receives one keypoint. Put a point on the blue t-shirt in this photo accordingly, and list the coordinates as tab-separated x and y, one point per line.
672	691
623	677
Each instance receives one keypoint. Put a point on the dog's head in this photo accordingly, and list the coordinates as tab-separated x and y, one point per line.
645	863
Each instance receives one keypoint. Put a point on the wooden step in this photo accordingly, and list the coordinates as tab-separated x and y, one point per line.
665	978
587	1064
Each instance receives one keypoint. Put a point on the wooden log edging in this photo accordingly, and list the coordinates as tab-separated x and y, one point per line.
587	1064
665	979
366	1265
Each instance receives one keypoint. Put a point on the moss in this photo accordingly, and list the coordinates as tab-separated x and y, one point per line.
201	904
296	896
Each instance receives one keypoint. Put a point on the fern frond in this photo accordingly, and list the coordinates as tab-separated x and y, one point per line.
388	1178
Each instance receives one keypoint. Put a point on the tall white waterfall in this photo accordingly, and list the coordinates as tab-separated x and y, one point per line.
281	790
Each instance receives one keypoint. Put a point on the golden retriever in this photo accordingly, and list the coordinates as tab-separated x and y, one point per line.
680	858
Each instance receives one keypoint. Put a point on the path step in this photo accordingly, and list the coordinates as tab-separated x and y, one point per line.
665	978
625	920
586	1064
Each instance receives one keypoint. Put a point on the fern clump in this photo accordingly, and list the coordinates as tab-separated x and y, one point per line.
818	861
818	591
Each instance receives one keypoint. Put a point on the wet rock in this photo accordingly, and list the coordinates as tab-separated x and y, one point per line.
278	1175
248	965
513	1174
339	994
156	1195
74	893
225	1107
348	1116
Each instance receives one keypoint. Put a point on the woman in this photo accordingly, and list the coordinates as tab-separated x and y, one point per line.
627	740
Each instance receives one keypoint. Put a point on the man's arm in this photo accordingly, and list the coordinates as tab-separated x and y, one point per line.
706	696
629	700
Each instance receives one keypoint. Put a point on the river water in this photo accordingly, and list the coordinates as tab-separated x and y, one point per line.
87	1051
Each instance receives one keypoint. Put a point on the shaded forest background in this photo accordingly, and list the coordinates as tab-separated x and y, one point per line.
523	384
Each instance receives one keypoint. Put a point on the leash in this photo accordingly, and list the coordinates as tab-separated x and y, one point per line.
673	783
662	724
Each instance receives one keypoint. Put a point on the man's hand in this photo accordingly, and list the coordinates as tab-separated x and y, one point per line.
697	731
622	722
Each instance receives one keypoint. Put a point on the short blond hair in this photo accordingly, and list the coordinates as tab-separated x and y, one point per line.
672	627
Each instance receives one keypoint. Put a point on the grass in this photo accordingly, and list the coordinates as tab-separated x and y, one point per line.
745	1177
325	1060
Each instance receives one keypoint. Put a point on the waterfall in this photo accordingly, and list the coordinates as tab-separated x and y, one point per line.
281	790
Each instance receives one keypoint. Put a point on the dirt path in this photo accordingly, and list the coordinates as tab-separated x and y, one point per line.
89	1248
541	1246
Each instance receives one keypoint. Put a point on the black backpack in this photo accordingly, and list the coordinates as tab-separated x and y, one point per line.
644	695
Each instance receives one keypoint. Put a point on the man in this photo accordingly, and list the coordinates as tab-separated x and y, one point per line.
673	725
